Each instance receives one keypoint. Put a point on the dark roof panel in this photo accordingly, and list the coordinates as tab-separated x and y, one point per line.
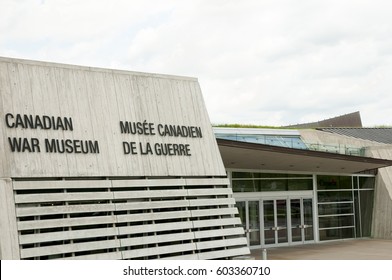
381	135
347	120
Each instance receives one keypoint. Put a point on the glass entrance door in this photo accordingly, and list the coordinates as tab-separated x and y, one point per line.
254	223
249	213
275	221
301	211
279	221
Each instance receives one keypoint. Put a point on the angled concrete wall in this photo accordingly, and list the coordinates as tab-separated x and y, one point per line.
108	164
127	119
382	221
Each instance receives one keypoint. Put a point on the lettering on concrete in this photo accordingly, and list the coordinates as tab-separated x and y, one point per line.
163	130
91	146
33	145
38	122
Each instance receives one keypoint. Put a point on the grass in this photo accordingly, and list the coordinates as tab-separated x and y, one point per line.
237	125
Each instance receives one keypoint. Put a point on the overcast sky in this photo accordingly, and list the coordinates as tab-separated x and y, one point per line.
266	62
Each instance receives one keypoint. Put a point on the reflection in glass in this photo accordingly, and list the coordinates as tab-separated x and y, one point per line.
335	209
269	222
366	182
300	184
270	175
295	207
345	213
263	182
338	233
334	196
271	185
366	199
254	223
242	212
308	219
355	182
281	210
357	212
241	175
327	182
336	221
243	186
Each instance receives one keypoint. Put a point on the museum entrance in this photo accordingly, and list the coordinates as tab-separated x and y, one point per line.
277	221
280	209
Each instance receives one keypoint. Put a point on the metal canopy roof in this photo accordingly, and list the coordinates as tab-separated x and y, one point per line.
244	155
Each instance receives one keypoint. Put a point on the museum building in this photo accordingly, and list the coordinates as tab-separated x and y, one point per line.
291	191
111	164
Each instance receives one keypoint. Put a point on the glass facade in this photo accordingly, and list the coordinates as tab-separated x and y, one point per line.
289	141
345	206
284	138
280	208
270	182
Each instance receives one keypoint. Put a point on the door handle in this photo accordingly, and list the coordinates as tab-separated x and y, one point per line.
278	228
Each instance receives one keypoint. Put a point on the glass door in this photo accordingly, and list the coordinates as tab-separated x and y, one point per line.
296	221
308	219
281	221
275	221
249	212
301	213
254	223
269	222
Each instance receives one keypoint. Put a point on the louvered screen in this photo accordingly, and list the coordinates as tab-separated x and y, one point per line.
128	219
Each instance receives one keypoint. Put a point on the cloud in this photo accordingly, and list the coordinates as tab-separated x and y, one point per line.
265	62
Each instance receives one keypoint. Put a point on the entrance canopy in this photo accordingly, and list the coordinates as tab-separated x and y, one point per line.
245	155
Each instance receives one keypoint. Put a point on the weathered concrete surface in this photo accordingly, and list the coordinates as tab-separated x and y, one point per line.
360	249
382	222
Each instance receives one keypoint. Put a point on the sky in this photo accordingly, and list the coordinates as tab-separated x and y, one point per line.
262	62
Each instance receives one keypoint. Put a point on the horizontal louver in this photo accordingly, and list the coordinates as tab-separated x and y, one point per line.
128	219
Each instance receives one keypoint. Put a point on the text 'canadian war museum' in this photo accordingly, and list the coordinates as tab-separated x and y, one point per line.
109	164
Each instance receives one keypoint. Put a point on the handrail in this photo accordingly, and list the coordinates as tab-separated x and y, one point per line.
294	142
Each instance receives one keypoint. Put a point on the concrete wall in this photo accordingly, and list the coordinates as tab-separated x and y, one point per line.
320	137
382	213
97	100
382	222
120	197
9	244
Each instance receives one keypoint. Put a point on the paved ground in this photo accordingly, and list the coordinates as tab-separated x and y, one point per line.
362	249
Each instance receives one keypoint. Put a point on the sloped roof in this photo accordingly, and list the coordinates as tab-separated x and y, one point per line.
347	120
381	135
